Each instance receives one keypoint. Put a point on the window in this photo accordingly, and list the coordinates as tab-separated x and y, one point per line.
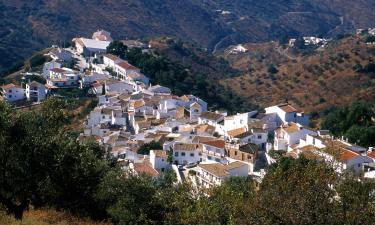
191	154
162	160
259	136
217	160
209	157
248	157
182	153
196	110
10	91
200	154
176	154
10	96
235	152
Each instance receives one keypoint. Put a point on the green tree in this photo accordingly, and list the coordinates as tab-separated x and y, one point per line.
145	148
117	48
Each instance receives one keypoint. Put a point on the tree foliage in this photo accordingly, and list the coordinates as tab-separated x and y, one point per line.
161	70
353	122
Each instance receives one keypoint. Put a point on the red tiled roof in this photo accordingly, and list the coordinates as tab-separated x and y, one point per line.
215	143
144	168
288	108
346	155
127	66
58	70
112	57
371	155
7	86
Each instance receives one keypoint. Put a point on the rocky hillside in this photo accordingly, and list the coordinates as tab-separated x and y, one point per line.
342	73
29	25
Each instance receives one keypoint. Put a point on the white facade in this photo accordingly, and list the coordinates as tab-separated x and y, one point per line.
36	92
186	153
158	160
290	134
48	66
286	113
211	175
12	93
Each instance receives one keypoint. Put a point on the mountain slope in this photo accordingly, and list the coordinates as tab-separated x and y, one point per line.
31	25
320	80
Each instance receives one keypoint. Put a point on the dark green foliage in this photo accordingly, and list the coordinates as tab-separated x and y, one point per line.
37	60
357	68
370	39
369	68
300	43
272	69
43	165
117	48
145	149
354	122
161	70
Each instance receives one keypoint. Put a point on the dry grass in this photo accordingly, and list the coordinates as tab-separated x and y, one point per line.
312	82
47	217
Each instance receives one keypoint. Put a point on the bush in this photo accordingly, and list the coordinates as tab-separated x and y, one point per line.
272	69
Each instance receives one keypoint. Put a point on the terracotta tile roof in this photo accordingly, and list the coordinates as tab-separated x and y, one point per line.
7	86
211	116
249	148
215	143
287	108
145	168
127	66
346	155
371	155
201	139
185	147
236	132
112	57
58	70
221	170
291	128
160	153
205	128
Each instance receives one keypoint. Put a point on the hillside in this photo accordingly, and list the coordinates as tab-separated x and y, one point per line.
28	26
319	80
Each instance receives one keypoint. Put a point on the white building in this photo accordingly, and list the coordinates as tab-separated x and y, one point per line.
186	153
36	92
102	35
159	160
12	92
213	151
238	121
90	47
63	77
48	66
211	175
290	134
287	113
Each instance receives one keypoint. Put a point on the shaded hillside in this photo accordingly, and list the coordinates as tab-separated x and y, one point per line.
333	77
31	25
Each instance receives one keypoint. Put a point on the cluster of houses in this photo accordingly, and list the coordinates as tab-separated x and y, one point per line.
131	114
311	41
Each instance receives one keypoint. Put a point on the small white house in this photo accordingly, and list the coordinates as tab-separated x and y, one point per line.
48	66
158	160
186	153
211	175
290	134
287	113
35	91
12	92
